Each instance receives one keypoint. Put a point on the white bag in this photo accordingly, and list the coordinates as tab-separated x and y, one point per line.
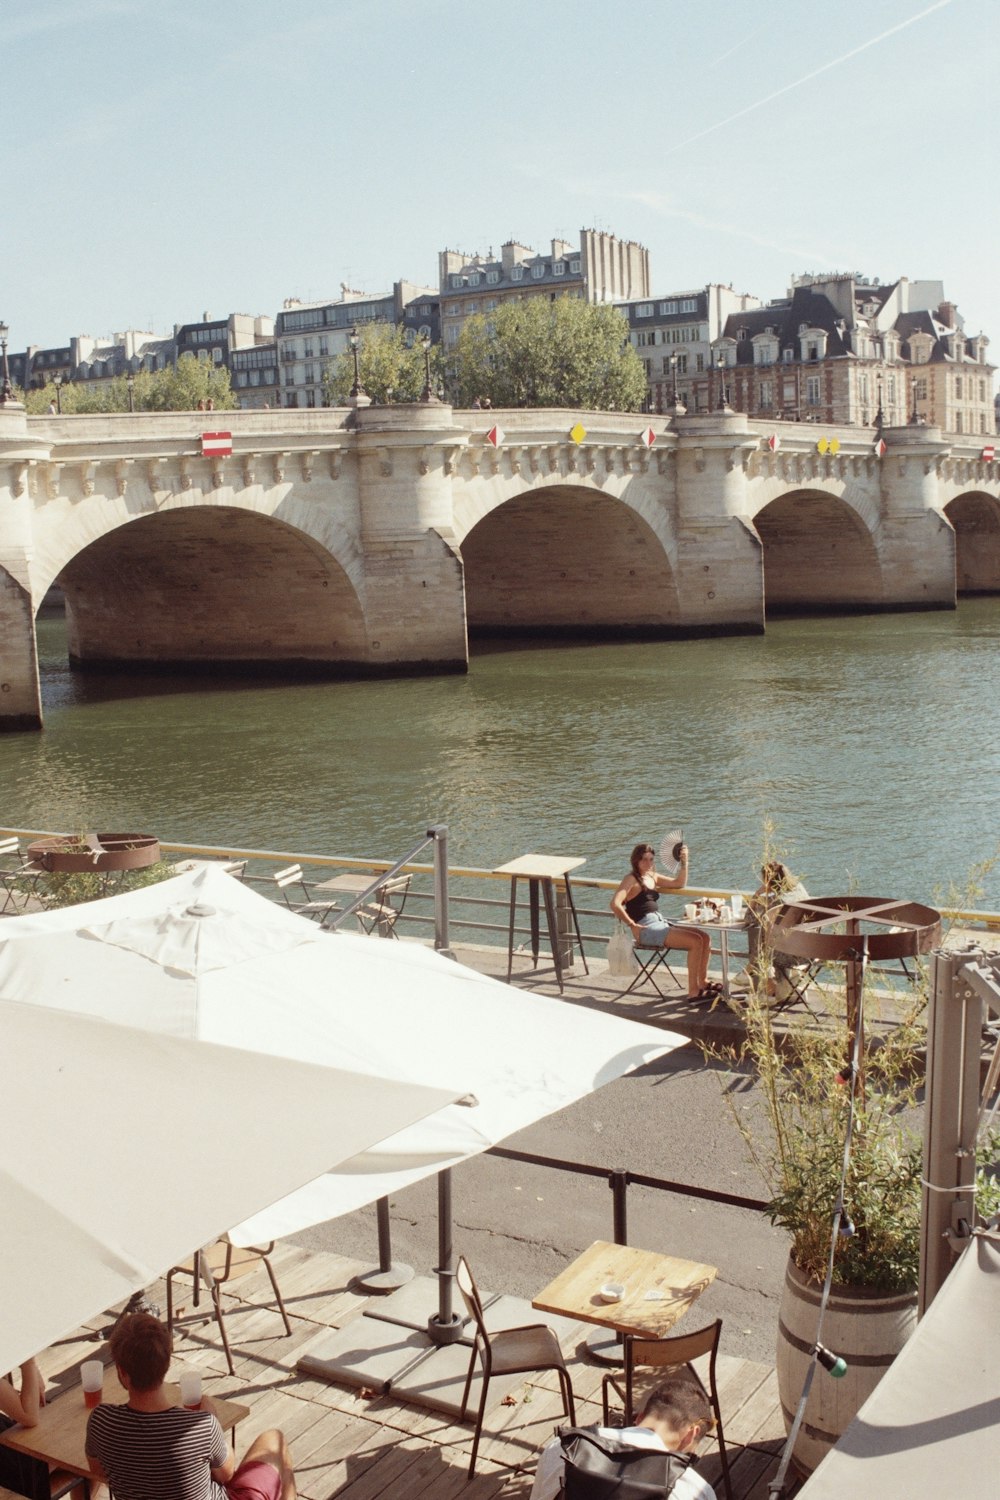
621	953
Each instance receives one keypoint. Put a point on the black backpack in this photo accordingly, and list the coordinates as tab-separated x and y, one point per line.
600	1467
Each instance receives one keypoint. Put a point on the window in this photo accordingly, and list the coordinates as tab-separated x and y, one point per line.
574	266
668	309
310	398
688	304
291	398
920	390
324	348
516	273
891	389
958	421
289	376
644	310
254	378
958	387
982	421
766	393
307	349
474	279
699	363
682	364
812	390
490	304
538	271
788	355
558	267
812	351
643	338
472	307
217	356
492	277
310	374
863	389
456	282
982	390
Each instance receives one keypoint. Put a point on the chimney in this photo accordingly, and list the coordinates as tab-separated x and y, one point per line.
946	314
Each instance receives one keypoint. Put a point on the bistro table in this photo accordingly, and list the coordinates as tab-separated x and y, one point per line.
659	1290
61	1433
723	929
541	871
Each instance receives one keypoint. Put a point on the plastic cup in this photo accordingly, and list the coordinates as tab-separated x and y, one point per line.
736	900
92	1380
691	911
190	1384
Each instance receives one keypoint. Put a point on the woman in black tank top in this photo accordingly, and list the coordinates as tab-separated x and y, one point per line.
636	903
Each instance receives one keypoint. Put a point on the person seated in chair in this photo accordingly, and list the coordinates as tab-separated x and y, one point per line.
674	1419
635	903
777	885
152	1449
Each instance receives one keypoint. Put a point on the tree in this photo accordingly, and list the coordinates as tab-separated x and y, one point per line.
539	353
392	370
178	388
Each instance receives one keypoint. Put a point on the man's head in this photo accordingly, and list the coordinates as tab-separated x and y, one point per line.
140	1347
680	1412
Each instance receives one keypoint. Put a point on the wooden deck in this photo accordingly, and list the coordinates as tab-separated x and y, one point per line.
351	1444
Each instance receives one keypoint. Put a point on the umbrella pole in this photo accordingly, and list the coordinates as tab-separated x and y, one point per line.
445	1326
388	1275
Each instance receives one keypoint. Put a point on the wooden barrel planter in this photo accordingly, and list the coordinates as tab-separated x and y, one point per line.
867	1328
116	851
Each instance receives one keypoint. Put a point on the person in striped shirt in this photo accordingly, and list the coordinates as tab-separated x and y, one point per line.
150	1449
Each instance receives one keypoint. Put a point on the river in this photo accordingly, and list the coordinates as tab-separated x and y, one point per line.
871	743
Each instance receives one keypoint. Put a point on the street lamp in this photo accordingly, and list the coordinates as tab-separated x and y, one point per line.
427	394
6	390
57	381
130	382
720	365
357	389
880	414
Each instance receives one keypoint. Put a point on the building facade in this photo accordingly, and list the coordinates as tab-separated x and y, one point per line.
602	268
673	336
309	335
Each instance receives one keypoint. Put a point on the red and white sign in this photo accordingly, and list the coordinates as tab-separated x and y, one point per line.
988	453
648	437
495	436
774	442
216	444
879	446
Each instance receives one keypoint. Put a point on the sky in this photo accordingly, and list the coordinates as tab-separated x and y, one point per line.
164	158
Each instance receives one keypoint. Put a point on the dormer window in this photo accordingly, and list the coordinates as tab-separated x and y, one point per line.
644	310
474	279
538	271
456	282
574	266
492	277
558	268
516	272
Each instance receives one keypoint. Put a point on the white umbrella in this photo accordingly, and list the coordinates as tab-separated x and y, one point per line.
267	980
125	1151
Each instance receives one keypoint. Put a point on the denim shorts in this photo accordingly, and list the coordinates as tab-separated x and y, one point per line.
654	928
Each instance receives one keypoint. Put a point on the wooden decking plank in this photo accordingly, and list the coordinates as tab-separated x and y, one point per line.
383	1469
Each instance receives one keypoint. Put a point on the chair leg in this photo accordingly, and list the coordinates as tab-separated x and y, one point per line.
723	1455
479	1425
567	1393
277	1292
217	1304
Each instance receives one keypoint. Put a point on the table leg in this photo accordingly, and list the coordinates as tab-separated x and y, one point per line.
510	934
605	1346
533	904
724	955
576	922
550	913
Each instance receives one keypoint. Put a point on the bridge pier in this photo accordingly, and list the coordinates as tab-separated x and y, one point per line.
720	567
916	539
20	695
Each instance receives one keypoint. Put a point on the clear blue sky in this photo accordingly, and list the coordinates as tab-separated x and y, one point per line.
161	158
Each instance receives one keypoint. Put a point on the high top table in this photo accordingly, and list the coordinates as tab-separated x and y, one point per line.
541	871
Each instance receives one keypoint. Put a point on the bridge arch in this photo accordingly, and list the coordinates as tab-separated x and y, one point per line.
976	519
820	555
568	560
202	584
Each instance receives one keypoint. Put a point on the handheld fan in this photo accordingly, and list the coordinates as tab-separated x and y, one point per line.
670	852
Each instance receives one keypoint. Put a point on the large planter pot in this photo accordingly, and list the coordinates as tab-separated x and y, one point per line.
118	851
867	1328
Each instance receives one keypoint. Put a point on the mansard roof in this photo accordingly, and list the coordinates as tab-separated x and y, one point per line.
786	317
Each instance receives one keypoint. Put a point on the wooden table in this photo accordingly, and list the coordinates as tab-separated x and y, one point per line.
61	1432
659	1290
541	871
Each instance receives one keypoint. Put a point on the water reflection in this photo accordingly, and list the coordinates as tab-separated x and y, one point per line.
871	742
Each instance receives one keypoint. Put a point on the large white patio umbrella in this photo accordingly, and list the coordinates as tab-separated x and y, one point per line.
124	1151
203	955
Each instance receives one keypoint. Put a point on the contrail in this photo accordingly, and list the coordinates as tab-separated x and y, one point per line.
834	63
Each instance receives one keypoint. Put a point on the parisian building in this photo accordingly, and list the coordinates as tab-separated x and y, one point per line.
673	336
602	268
311	334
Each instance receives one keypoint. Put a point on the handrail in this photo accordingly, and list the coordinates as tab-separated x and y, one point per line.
460	872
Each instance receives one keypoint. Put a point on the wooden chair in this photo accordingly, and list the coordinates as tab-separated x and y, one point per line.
217	1265
380	915
509	1351
670	1354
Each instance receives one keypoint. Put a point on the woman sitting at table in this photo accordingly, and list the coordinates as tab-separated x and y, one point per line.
777	885
635	903
19	1472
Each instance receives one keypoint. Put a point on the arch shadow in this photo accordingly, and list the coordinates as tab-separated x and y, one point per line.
819	557
976	519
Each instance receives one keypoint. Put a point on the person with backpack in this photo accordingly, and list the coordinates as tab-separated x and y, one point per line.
649	1459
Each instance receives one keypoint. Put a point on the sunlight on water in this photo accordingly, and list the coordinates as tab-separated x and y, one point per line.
872	744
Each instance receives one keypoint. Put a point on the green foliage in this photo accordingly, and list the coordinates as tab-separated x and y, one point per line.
57	889
533	352
178	388
392	371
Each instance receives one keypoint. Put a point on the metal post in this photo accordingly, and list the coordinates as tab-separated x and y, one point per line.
439	834
564	930
618	1183
445	1327
388	1277
954	1039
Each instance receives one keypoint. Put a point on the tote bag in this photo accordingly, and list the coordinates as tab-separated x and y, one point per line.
622	961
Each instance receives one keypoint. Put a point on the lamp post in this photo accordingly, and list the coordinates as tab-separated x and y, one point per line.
356	389
880	414
130	382
427	394
720	365
6	390
58	383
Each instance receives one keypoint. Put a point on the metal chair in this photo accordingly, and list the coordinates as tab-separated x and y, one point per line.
649	960
217	1265
670	1354
379	915
18	876
509	1351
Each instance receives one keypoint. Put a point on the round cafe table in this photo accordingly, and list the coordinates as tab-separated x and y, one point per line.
723	929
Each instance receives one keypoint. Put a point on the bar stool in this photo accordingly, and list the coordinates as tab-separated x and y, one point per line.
541	871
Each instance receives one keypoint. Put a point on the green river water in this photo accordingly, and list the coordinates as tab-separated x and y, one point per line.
872	743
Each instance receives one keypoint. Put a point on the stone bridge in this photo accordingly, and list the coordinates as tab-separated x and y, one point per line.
375	540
